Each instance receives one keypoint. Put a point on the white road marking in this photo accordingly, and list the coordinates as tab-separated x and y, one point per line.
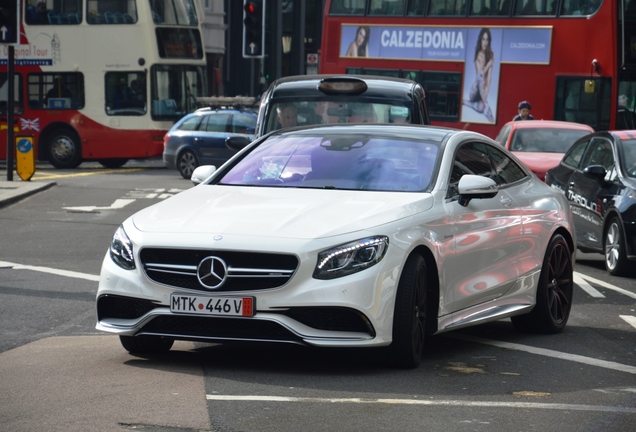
118	204
133	195
631	320
593	292
450	403
607	285
548	353
507	345
59	272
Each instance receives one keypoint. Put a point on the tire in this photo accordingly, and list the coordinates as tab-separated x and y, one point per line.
554	292
113	163
145	344
187	161
409	316
63	149
616	262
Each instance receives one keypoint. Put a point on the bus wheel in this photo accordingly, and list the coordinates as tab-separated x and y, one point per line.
112	163
64	149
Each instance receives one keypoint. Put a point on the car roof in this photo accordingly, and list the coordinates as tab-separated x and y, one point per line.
409	131
208	110
549	124
377	86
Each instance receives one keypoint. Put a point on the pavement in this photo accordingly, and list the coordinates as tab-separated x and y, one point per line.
13	191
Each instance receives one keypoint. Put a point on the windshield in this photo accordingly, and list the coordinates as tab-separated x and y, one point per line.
337	162
290	114
545	140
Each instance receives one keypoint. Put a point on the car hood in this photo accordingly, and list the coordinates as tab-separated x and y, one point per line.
277	211
539	161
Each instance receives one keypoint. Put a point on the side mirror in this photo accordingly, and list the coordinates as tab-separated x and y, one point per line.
475	187
237	142
596	171
201	173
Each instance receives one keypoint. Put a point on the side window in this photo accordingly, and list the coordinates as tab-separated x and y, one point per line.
599	153
64	90
384	7
111	12
243	123
52	12
179	12
191	123
574	156
125	93
506	170
347	7
217	122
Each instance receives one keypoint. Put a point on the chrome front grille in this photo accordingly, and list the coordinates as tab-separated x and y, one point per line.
246	271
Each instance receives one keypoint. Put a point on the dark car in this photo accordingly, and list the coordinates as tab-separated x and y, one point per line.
598	177
199	138
322	99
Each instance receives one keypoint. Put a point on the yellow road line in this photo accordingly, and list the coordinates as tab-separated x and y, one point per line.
37	176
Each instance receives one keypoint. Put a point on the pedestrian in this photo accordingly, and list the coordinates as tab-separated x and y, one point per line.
524	111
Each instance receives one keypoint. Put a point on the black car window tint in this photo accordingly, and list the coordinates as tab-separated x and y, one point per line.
217	122
506	170
190	123
600	153
574	157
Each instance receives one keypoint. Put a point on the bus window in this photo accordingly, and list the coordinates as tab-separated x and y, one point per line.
45	12
111	12
174	89
386	7
4	93
179	43
575	104
381	72
489	7
125	93
174	12
59	91
447	7
347	7
416	8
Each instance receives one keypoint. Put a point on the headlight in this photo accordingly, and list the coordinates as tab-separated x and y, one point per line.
121	250
351	257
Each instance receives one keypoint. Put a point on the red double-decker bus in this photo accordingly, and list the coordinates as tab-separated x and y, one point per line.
102	80
573	60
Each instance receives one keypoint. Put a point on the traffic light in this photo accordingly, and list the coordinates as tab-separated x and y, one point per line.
9	22
253	28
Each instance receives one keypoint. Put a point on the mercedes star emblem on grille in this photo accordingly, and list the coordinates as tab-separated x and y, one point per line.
212	272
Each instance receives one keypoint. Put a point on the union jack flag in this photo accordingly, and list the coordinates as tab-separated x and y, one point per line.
27	124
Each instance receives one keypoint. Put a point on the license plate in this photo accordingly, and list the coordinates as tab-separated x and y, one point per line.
212	305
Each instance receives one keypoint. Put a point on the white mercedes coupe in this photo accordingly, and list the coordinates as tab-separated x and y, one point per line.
350	235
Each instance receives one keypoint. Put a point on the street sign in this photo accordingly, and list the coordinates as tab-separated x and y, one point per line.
24	156
9	22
